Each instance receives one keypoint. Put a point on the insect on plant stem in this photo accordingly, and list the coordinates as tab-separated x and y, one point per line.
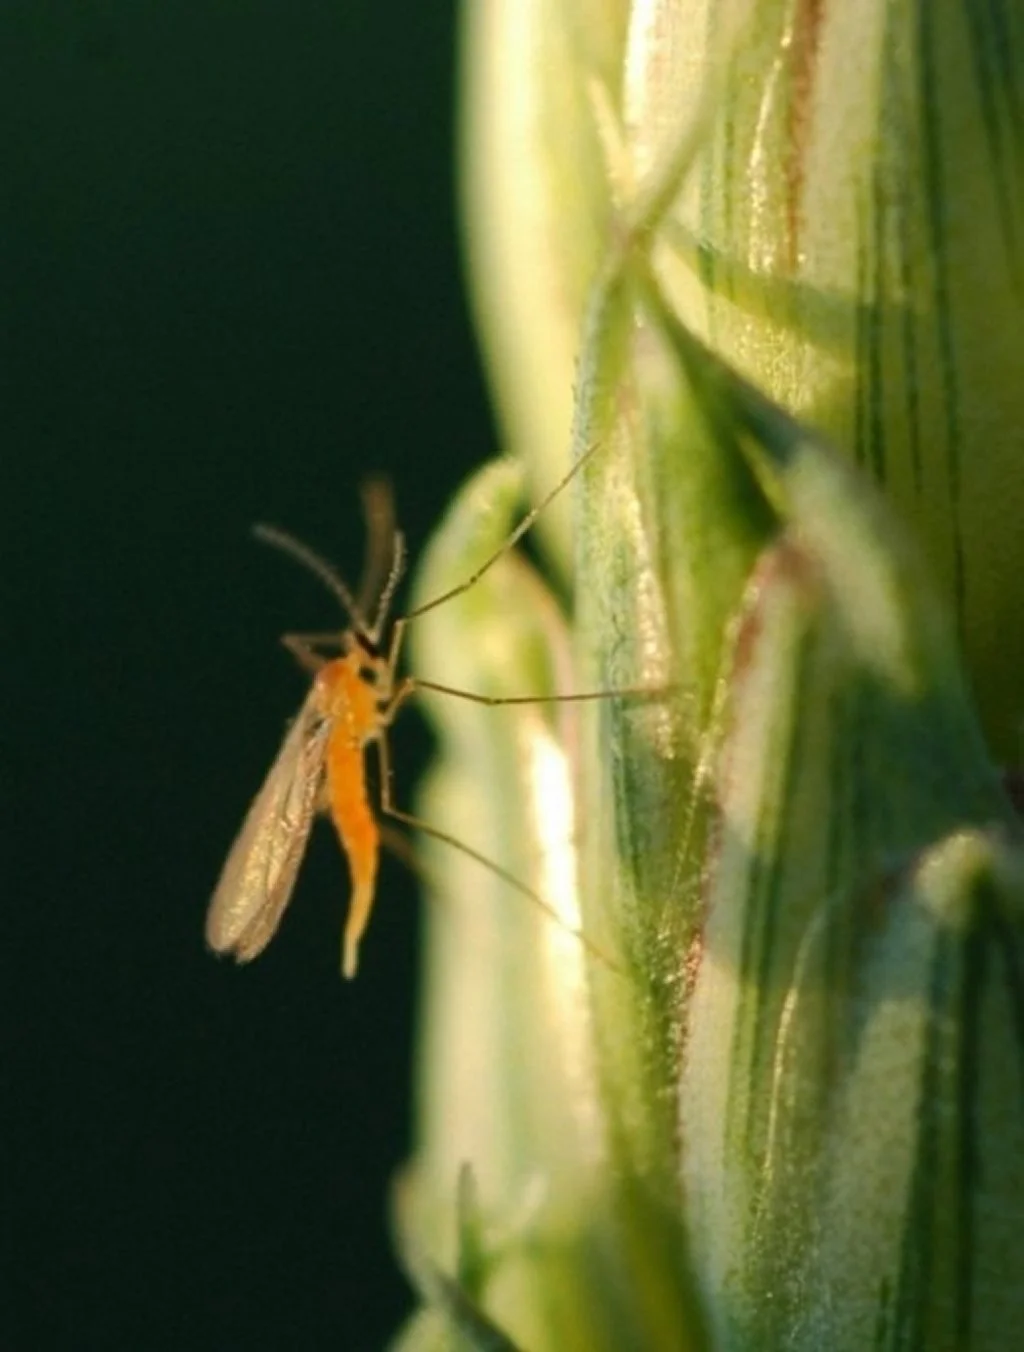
353	699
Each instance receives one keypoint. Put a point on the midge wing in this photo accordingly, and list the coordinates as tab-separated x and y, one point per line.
259	873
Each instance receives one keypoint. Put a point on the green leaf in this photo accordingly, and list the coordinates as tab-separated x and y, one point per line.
536	210
845	750
578	1255
851	238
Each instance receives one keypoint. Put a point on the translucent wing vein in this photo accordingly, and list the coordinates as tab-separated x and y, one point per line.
259	873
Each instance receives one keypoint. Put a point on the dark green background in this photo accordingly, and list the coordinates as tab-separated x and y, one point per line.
230	289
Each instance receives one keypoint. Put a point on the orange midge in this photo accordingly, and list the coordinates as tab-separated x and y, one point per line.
352	700
352	703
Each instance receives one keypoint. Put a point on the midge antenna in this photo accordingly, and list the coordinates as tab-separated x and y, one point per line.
382	572
385	552
353	701
319	567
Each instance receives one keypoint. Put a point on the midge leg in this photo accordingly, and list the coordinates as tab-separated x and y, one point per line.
388	809
510	540
410	684
400	693
398	628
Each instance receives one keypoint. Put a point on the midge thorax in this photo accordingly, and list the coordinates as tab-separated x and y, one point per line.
352	702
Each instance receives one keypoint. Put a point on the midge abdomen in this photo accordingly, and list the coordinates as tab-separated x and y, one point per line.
354	721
